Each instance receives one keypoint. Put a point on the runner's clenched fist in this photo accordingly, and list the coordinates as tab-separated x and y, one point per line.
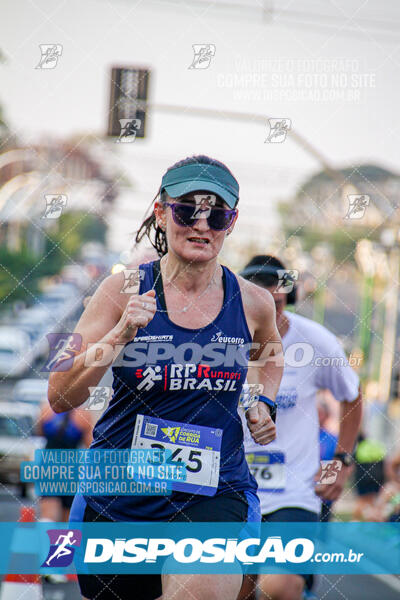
138	313
260	424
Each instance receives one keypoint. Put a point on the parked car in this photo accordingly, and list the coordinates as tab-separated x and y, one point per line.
18	440
61	299
15	352
31	392
77	275
37	323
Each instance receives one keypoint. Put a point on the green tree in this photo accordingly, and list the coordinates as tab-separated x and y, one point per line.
21	272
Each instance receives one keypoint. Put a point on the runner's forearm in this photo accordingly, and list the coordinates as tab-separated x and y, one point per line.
267	372
350	421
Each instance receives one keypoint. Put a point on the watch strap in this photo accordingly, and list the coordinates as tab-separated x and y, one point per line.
346	458
271	404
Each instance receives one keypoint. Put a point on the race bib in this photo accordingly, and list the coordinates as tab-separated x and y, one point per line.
268	469
198	447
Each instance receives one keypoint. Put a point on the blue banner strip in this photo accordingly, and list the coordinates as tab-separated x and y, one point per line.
150	547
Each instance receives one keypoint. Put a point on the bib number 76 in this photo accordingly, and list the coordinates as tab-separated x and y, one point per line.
260	472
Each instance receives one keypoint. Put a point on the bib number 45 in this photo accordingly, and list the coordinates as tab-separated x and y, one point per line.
194	457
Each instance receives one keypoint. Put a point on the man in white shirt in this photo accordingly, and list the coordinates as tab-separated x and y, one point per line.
286	469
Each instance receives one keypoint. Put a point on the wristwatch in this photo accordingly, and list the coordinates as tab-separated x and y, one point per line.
345	457
271	404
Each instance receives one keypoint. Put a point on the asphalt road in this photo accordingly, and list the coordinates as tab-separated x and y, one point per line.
357	587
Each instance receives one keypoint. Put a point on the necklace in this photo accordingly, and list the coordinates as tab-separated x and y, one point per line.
186	308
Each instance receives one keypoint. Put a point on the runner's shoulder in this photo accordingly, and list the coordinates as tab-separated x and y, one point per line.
109	293
311	331
257	300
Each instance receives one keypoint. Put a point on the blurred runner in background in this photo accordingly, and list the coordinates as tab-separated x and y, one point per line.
391	490
314	360
369	476
385	506
65	431
327	444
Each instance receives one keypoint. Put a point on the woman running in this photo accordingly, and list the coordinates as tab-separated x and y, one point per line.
196	308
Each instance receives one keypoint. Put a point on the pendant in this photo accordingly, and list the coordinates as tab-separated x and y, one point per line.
184	309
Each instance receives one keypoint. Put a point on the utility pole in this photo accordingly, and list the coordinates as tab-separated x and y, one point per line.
231	115
129	107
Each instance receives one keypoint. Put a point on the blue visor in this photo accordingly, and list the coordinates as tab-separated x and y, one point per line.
210	178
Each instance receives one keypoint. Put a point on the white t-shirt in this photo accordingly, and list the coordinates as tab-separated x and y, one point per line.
285	469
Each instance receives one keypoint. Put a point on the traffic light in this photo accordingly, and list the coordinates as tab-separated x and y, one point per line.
128	98
395	384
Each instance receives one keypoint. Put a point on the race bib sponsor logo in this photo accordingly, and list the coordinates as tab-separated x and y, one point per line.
224	339
154	338
188	377
171	432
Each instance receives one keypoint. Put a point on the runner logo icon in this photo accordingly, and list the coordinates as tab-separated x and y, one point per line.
150	375
278	129
329	471
62	350
50	53
61	552
358	204
203	53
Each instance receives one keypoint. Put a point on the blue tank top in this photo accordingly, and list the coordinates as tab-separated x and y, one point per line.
60	431
166	372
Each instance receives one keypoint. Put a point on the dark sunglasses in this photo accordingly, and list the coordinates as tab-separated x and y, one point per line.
185	215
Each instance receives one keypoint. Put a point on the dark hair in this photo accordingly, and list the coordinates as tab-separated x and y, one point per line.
268	279
149	227
265	279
